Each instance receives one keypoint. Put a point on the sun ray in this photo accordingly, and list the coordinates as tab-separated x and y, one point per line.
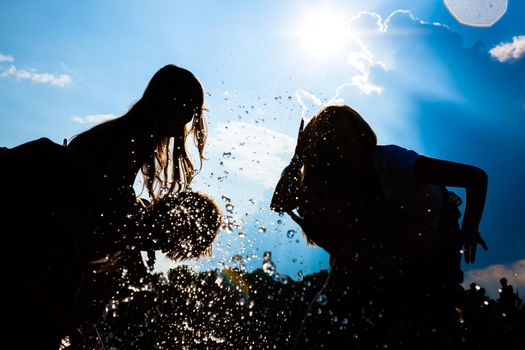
322	32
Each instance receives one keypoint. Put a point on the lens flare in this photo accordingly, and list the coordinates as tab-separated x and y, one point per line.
237	280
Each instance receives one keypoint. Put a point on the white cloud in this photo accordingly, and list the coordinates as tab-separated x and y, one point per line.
383	26
509	51
32	75
6	58
93	119
36	77
489	277
253	151
363	60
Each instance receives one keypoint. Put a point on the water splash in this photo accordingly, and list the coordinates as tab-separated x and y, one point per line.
268	265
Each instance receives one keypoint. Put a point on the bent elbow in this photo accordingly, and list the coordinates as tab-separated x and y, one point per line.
482	176
478	178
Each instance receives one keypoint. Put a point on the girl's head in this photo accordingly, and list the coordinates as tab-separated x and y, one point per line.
173	98
337	138
184	224
340	130
338	145
157	126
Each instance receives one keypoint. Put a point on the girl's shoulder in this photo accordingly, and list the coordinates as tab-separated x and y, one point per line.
393	149
395	162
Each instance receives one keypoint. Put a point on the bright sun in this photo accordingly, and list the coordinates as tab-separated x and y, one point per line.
322	33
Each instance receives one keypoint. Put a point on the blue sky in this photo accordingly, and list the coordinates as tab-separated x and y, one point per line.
421	78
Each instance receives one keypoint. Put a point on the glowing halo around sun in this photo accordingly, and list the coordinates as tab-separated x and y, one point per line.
322	33
477	13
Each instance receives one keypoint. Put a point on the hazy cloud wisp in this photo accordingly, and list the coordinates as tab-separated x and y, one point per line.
254	151
93	119
6	58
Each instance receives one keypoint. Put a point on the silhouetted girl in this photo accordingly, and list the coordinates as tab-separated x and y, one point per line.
69	206
150	138
384	215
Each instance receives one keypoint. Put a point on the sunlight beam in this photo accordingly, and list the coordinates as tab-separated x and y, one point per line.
322	33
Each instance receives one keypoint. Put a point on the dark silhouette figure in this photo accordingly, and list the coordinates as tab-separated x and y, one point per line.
390	226
508	301
70	209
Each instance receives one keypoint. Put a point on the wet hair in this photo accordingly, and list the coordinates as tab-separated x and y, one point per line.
320	131
320	142
185	224
168	168
168	84
320	179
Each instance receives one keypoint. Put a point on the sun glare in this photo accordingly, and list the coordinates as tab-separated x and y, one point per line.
322	33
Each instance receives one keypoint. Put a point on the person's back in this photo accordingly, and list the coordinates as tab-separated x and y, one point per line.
38	217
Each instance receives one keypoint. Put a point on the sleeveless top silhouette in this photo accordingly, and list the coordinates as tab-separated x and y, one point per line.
403	192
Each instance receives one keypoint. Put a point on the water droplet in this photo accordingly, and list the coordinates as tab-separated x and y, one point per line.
261	229
218	281
322	299
227	225
237	258
227	155
290	234
269	268
300	275
268	265
242	234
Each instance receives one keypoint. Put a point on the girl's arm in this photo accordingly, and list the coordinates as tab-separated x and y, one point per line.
474	180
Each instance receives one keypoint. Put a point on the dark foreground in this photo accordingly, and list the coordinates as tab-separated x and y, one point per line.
230	309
